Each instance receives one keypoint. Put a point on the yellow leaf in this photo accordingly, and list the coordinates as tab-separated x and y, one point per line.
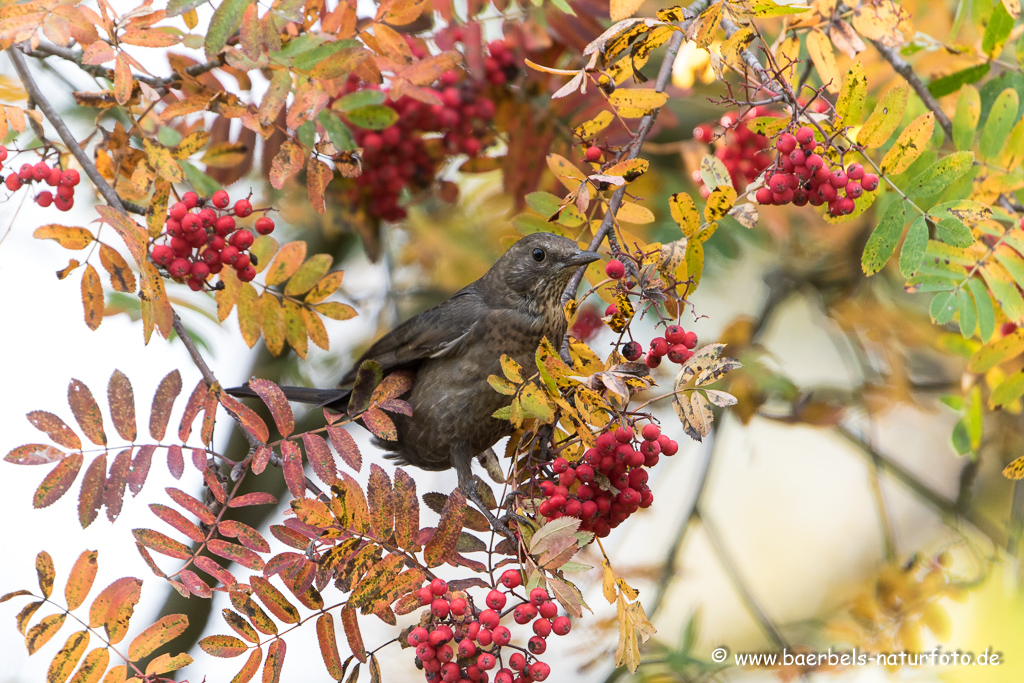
886	116
703	29
630	170
566	172
1012	8
719	203
787	54
191	19
820	49
92	297
588	129
735	45
623	9
850	103
69	238
630	101
272	322
634	213
684	212
287	261
909	145
160	158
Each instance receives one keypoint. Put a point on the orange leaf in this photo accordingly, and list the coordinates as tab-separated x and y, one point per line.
65	661
407	510
277	403
93	666
346	446
318	175
123	82
238	623
248	536
329	645
40	634
113	607
350	622
83	573
274	600
92	297
160	633
58	481
122	278
315	329
273	99
287	162
376	579
69	238
291	464
162	544
236	553
167	662
216	571
223	646
275	661
122	405
248	418
55	428
287	261
380	499
45	573
252	665
442	544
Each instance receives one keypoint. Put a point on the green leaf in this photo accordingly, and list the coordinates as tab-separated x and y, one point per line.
940	174
912	253
952	231
544	203
968	313
225	21
965	121
203	184
985	310
882	242
1000	120
947	85
372	116
973	417
305	60
944	307
360	98
340	134
307	134
850	103
528	223
961	442
997	31
1008	391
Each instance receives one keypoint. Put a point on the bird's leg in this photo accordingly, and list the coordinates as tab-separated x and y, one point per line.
489	460
467	482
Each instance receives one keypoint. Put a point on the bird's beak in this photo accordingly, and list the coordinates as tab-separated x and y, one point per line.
583	258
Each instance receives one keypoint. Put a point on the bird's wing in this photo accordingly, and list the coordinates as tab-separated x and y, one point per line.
431	334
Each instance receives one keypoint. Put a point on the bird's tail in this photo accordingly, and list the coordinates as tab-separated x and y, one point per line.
335	399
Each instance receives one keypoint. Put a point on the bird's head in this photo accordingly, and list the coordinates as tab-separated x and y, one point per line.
538	267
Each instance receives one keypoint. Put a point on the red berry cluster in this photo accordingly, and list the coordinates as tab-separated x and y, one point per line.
677	344
399	157
801	175
65	181
204	237
622	462
459	644
741	150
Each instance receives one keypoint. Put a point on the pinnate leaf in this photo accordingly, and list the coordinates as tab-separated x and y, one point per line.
55	428
122	405
90	498
329	645
277	403
58	481
156	635
248	418
80	580
252	665
92	297
223	646
442	544
40	634
34	454
45	573
380	498
87	412
320	458
65	661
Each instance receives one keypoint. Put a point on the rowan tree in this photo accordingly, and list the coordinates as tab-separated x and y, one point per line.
663	137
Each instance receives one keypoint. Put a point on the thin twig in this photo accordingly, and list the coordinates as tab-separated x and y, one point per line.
36	95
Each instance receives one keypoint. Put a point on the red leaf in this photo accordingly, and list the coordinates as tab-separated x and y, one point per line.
346	447
192	505
393	386
289	537
58	481
114	493
147	557
441	545
236	553
55	428
140	468
261	459
276	401
216	488
178	521
163	402
407	510
90	499
283	562
380	499
258	498
355	639
175	461
291	464
87	412
275	661
215	570
248	536
396	405
162	544
122	405
194	584
34	454
329	645
379	424
196	401
248	418
223	646
320	458
199	459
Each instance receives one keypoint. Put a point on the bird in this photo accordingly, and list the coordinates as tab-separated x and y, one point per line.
454	347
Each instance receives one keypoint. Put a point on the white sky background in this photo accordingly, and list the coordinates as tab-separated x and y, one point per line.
793	507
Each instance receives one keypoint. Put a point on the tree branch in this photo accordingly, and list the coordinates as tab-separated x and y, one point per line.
36	95
904	69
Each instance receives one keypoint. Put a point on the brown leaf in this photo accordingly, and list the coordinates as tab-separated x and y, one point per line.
113	494
92	297
381	501
86	412
90	498
442	544
122	405
163	402
123	83
55	428
318	175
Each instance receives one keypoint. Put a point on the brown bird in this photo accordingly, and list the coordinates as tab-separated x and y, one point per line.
454	346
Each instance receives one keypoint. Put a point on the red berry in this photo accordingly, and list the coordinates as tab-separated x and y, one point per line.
537	645
26	173
243	207
53	180
854	190
537	597
445	653
838	179
677	353
425	651
593	153
496	600
224	226
264	225
242	239
450	672
489	618
177	211
248	274
485	661
63	203
466	648
41	171
517	661
814	162
690	340
44	198
778	183
524	613
538	671
548	610
659	346
416	636
438	587
179	268
584	473
220	199
542	627
190	199
425	595
632	350
501	635
71	177
162	254
650	432
763	196
3	154
786	143
805	136
869	182
200	270
855	171
66	192
503	676
511	578
674	334
614	269
242	262
652	361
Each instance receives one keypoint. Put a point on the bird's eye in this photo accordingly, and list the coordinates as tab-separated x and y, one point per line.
538	255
